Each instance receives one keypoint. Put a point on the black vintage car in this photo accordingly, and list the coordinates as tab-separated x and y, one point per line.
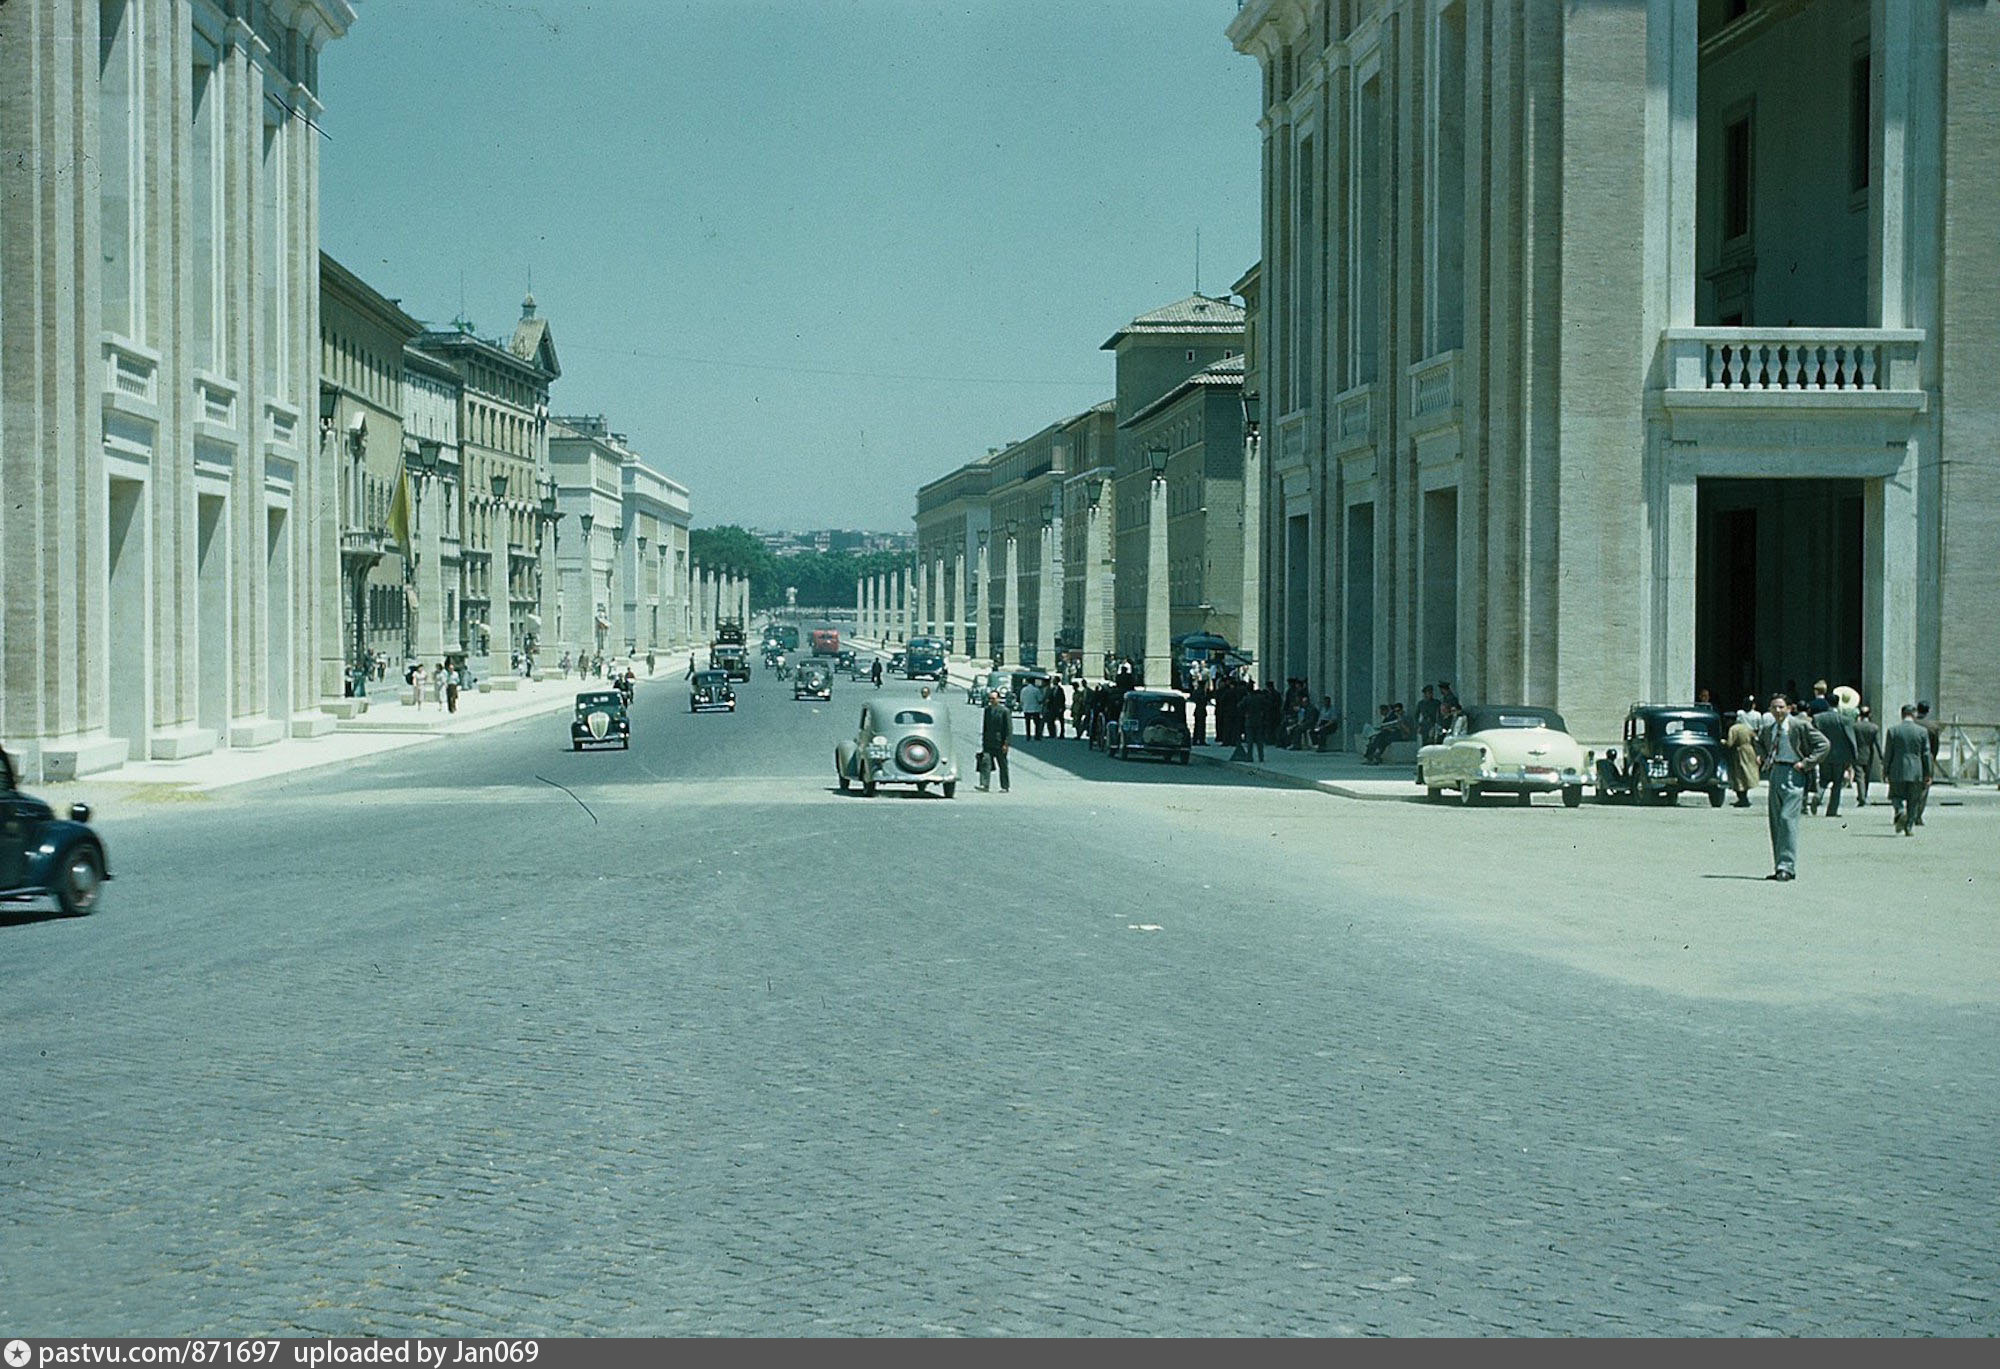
1669	749
710	692
731	659
601	719
813	681
47	864
1153	722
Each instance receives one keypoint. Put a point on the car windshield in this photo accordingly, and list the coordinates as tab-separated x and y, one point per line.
709	678
1695	725
585	702
911	717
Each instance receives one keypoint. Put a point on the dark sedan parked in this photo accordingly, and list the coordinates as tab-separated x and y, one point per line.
47	864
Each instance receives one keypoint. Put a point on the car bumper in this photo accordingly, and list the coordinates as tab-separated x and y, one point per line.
1529	781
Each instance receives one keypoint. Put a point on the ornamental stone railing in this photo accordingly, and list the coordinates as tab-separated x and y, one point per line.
1434	385
1801	362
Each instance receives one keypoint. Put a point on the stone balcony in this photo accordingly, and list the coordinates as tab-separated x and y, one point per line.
1793	368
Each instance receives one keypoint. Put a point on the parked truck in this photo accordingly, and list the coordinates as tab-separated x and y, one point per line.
826	641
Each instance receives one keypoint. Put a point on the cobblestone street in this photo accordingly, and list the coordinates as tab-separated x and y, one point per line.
428	1045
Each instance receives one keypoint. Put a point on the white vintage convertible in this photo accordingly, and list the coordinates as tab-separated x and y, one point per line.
1505	749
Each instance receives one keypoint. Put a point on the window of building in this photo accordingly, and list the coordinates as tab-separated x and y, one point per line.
1736	182
1860	122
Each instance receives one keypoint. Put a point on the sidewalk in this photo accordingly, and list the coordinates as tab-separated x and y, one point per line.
388	725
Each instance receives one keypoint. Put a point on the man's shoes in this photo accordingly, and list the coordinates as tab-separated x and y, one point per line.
1742	801
1897	823
1003	788
1781	876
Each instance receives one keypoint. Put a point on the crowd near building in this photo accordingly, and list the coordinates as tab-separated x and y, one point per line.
243	485
1596	353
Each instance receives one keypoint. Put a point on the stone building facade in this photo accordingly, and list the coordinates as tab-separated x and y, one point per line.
362	337
169	568
433	397
507	502
953	524
1158	354
1613	352
622	556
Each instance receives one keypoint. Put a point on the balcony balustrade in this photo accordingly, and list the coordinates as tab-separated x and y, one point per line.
1794	365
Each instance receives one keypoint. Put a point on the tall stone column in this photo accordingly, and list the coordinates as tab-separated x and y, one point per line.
959	626
1250	613
1009	651
1159	623
1094	643
698	603
430	493
1048	602
978	624
921	627
860	601
906	620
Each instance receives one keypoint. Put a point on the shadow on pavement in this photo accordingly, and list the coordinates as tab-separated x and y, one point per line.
1076	757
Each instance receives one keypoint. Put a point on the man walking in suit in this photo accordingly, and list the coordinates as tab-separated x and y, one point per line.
1906	765
1840	749
1791	746
1867	754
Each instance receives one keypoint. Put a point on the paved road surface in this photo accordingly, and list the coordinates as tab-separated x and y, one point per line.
693	1044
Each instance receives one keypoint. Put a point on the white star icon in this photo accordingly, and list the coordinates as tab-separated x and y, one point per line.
17	1354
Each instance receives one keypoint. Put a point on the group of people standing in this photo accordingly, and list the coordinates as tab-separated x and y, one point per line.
1809	754
438	685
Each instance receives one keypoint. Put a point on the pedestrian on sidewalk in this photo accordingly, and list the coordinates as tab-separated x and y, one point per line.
1263	709
1867	754
417	682
996	735
1053	704
651	660
1031	708
451	689
1907	766
1742	746
1839	762
1792	747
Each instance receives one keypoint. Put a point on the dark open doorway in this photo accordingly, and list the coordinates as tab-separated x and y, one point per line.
1778	600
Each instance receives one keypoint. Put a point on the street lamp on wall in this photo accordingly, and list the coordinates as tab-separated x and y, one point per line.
1157	458
586	522
1253	405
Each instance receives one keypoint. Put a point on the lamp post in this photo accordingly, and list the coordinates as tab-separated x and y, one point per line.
959	629
1159	622
1046	601
425	640
1249	629
548	564
1010	614
500	591
978	633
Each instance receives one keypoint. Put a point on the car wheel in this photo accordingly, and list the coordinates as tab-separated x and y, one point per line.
1523	799
841	775
624	743
923	787
868	789
1468	794
1185	755
80	880
1433	792
1572	796
575	745
1715	797
951	789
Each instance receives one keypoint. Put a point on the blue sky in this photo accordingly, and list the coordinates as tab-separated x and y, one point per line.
806	255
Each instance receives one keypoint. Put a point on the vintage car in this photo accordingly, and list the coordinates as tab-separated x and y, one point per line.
814	680
899	741
731	659
1514	749
844	660
730	630
47	864
1152	722
924	661
986	682
897	661
1670	749
601	719
709	691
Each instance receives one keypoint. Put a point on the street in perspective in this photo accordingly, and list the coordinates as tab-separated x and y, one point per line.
886	757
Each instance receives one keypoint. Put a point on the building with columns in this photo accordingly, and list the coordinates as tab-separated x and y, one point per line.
506	508
623	548
1168	396
432	400
169	545
362	337
1662	394
952	523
